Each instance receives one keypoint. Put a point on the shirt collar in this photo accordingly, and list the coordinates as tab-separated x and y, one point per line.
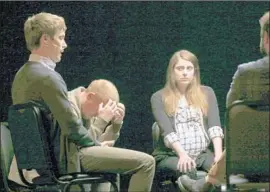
47	62
266	59
74	97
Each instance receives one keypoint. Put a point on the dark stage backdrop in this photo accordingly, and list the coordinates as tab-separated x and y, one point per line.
130	43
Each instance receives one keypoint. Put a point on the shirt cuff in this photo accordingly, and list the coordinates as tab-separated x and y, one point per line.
215	131
118	122
170	139
113	132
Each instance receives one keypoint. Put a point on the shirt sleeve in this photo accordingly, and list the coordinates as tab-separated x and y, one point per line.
111	133
97	125
215	131
214	125
54	93
163	120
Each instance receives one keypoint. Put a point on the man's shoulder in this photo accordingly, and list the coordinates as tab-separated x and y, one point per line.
35	69
73	97
255	65
75	92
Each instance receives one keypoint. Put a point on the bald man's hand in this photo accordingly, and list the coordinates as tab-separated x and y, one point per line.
107	112
119	113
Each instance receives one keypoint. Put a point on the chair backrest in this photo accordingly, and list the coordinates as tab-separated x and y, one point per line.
155	134
29	127
247	138
7	152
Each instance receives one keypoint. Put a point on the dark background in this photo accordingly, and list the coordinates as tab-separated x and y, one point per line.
130	43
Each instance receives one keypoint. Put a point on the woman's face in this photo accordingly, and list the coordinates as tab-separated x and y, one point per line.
184	72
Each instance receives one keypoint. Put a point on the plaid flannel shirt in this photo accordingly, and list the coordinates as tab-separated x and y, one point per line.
190	132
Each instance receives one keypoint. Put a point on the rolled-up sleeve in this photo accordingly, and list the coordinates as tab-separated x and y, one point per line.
163	119
215	131
170	139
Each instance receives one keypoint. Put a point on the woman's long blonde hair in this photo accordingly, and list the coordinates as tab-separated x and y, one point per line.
194	94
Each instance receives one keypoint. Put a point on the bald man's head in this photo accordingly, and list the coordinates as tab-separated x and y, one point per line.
99	91
105	89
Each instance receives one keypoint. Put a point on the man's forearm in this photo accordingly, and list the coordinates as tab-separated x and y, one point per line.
112	132
116	127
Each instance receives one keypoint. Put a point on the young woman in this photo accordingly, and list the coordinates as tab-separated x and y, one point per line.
188	116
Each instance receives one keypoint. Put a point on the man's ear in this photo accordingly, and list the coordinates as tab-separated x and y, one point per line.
44	39
90	96
266	37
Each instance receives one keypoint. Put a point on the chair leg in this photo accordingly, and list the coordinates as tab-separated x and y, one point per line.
115	187
66	188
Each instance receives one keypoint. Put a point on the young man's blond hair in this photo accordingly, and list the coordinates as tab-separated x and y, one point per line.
39	24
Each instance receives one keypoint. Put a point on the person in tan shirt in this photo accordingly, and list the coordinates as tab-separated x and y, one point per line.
105	126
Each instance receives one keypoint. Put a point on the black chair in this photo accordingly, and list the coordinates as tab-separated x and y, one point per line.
247	143
163	181
6	154
29	126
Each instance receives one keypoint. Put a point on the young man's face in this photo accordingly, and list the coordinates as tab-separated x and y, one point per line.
56	46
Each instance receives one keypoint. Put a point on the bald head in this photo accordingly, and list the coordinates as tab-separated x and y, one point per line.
105	89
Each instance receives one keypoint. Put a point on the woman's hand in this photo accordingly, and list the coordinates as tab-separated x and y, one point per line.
185	163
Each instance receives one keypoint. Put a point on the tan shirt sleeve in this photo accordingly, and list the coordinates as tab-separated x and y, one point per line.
103	131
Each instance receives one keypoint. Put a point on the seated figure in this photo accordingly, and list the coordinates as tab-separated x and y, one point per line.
188	116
